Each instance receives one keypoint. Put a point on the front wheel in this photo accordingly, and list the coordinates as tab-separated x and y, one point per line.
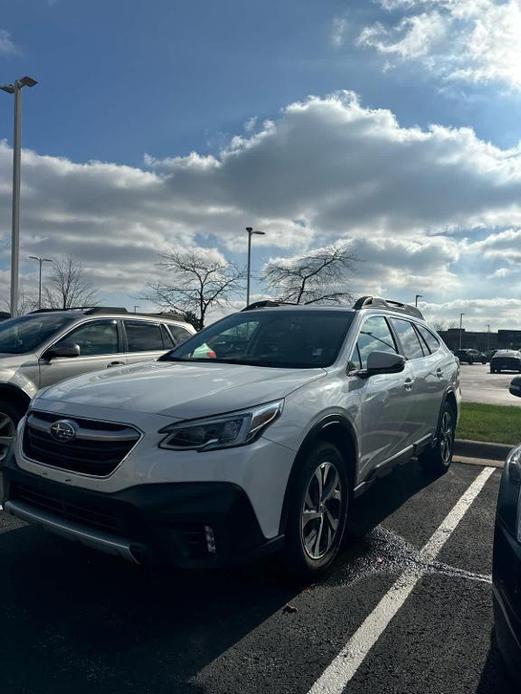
317	512
439	457
10	415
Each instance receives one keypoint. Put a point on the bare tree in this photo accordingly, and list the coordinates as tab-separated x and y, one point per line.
67	286
320	277
198	280
27	302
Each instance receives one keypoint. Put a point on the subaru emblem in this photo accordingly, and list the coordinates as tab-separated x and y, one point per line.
63	430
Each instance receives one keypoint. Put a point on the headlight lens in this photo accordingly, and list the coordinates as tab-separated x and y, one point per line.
224	431
509	506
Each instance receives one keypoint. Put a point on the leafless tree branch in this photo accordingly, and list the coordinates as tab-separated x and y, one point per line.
320	277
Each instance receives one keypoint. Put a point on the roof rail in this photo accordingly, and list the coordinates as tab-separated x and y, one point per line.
268	303
389	304
87	310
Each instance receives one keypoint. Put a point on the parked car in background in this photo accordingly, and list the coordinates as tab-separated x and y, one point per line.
255	435
47	346
470	356
505	360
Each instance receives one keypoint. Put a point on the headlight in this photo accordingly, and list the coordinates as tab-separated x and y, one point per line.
224	431
513	465
508	505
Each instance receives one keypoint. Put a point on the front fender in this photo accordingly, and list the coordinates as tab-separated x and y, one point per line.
12	378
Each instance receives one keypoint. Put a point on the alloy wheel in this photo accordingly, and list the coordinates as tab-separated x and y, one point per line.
7	432
321	510
446	438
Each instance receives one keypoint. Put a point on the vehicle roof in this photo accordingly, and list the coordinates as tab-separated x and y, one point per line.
110	312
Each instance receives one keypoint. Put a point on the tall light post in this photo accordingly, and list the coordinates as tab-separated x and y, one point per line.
460	327
16	89
418	296
40	261
250	231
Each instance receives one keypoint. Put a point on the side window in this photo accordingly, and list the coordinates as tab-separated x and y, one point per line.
412	348
180	335
143	336
94	338
432	341
375	336
168	342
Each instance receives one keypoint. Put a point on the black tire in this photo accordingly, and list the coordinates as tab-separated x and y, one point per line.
10	415
439	457
298	553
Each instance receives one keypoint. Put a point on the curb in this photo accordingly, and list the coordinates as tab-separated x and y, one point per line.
482	449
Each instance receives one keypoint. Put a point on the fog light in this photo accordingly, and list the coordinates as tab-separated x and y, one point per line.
210	539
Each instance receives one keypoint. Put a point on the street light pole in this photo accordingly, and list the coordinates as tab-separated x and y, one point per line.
250	231
418	296
16	89
41	261
460	327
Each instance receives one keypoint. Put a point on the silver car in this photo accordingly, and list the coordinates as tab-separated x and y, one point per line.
45	347
252	436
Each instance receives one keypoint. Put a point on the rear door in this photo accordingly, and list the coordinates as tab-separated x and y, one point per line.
439	374
428	384
146	340
385	400
100	347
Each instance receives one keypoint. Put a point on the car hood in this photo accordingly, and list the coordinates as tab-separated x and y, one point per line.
9	361
179	390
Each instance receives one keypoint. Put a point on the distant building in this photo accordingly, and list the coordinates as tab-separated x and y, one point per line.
503	339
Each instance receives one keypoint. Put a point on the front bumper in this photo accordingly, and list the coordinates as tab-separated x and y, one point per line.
506	575
187	524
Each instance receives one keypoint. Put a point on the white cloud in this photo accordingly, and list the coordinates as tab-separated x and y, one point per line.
476	41
7	46
327	168
499	312
338	31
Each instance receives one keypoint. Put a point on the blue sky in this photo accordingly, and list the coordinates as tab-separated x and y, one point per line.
123	79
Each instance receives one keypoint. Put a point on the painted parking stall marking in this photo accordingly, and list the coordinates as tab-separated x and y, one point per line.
342	669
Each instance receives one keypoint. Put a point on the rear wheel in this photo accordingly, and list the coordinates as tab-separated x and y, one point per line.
10	415
317	512
439	457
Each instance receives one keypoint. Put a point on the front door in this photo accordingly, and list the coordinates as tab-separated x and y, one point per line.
385	399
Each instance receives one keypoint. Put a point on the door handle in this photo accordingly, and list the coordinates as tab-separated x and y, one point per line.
115	363
408	383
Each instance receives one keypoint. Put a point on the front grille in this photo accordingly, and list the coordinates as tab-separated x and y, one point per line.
58	505
97	448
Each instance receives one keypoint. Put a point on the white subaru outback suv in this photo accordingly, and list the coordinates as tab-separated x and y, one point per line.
252	436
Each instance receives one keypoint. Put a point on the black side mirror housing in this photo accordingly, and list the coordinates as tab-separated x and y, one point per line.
67	349
383	363
515	386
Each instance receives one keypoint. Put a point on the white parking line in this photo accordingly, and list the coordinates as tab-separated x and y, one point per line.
344	666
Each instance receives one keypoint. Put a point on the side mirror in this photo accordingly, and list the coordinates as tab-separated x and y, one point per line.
66	349
383	363
515	386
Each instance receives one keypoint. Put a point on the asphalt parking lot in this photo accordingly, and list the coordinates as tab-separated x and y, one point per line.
479	385
77	621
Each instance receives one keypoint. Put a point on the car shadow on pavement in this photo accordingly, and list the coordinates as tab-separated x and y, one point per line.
387	494
494	677
77	621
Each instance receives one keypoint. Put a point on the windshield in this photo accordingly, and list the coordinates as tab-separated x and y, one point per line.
27	333
279	338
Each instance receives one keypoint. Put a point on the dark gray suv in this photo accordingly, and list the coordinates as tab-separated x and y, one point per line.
47	346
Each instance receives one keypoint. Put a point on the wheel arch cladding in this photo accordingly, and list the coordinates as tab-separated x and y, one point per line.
333	429
14	396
